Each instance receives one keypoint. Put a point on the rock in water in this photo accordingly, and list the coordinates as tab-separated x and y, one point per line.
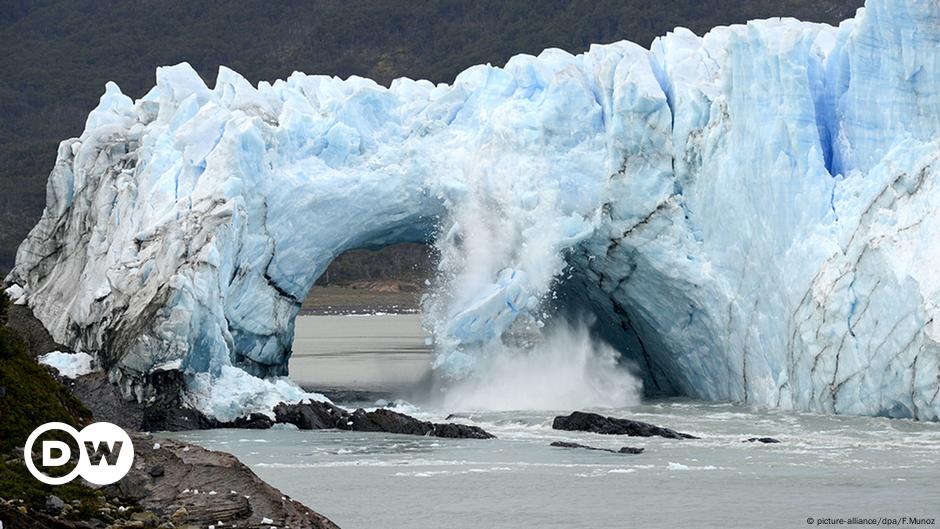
459	431
310	415
319	415
623	450
630	450
254	421
384	420
765	440
591	422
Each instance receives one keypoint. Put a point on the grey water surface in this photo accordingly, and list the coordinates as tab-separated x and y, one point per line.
382	353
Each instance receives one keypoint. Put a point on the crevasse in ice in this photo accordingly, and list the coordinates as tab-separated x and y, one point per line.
750	214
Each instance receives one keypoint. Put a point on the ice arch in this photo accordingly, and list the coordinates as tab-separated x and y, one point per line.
753	209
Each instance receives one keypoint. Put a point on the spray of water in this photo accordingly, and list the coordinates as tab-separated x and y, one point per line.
568	369
502	251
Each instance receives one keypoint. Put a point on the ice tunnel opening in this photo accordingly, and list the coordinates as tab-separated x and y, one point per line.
579	349
586	352
639	350
387	354
264	351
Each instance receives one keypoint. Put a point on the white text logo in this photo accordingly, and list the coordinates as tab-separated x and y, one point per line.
105	453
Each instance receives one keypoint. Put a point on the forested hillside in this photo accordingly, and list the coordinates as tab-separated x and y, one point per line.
57	54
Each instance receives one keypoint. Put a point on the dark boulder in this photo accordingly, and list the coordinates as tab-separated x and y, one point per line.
624	450
310	415
591	422
255	421
174	418
766	440
166	410
104	400
630	450
460	431
385	420
321	415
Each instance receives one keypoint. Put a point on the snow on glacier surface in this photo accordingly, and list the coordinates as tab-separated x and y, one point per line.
69	365
748	213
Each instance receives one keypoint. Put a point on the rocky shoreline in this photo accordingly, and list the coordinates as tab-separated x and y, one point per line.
200	486
173	485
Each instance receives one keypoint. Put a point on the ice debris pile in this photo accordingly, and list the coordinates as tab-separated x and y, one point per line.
752	211
69	365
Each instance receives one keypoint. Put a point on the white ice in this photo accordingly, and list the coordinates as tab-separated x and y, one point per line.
69	365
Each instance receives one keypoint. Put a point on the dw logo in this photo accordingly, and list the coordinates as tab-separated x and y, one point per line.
105	453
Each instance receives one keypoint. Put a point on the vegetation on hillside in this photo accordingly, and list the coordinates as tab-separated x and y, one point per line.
407	262
29	397
58	54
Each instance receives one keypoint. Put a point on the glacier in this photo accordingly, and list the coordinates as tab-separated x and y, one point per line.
750	215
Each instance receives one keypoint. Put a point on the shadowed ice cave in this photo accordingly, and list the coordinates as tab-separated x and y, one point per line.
748	214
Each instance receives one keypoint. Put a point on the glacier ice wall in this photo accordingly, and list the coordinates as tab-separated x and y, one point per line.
751	214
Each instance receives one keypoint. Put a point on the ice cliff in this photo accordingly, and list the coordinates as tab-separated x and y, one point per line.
751	215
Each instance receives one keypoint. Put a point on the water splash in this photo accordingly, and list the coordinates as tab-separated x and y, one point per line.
503	248
567	369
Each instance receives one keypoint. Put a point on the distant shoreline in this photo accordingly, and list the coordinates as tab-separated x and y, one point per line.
337	300
357	311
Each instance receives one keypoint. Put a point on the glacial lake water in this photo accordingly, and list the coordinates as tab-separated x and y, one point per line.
383	353
824	467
